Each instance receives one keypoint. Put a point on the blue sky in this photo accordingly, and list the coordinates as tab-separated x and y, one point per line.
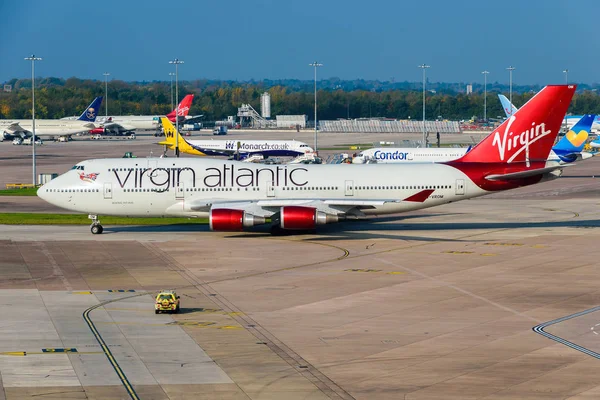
233	39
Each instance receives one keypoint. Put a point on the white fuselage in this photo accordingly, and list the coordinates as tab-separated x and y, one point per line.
390	155
45	127
267	147
156	187
130	122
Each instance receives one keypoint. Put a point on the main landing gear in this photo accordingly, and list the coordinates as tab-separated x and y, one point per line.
96	228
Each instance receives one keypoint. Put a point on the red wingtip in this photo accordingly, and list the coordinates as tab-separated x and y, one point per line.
421	196
528	134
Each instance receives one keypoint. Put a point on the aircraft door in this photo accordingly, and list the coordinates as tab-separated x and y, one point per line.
107	190
349	188
460	186
270	189
179	191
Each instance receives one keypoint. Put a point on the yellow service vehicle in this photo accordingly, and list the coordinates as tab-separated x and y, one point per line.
166	300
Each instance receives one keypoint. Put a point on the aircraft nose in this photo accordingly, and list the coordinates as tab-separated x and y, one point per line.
45	192
42	192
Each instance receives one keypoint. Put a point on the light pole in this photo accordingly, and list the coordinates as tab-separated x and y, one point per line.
510	71
566	71
106	75
485	74
316	65
172	74
176	62
33	59
424	67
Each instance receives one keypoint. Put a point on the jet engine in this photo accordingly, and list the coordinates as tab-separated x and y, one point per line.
223	219
297	217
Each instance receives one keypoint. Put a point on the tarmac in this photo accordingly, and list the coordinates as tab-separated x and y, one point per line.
492	298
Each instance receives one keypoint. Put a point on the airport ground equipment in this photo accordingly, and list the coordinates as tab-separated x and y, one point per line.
166	300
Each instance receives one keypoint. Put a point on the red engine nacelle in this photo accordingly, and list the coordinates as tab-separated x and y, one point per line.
297	217
223	219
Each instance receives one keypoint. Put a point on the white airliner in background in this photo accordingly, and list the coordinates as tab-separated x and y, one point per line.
387	155
235	195
129	123
240	148
23	128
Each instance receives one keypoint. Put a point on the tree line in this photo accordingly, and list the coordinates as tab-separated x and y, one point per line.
57	98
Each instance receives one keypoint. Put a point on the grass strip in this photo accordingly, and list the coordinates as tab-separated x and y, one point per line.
19	192
78	219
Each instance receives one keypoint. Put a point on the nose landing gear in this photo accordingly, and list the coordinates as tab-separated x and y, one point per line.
96	228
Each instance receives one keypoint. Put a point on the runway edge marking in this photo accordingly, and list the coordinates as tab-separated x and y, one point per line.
540	330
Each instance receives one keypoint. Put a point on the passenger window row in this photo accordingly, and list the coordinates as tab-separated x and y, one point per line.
73	190
402	187
218	189
311	188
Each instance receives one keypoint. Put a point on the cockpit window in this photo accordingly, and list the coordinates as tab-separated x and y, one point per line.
78	167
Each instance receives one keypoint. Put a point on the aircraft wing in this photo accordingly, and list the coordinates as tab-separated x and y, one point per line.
193	119
116	126
340	205
14	128
332	203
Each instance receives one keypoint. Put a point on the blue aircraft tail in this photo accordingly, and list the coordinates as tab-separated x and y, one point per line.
509	109
574	141
89	115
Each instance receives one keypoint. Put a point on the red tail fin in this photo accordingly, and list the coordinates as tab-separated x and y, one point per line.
529	133
184	107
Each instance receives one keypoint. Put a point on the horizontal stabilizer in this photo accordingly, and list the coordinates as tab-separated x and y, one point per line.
524	174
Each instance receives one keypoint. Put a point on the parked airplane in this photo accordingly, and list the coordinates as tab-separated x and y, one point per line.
570	147
128	123
22	128
390	155
235	196
241	149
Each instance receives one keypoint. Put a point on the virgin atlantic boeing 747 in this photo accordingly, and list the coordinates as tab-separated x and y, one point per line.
235	196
